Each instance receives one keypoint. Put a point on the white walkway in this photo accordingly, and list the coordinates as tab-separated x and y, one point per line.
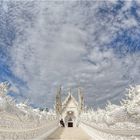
69	134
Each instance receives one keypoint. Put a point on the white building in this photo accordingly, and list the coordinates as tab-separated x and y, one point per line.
70	109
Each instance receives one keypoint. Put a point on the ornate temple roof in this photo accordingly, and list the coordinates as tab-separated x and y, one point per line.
67	100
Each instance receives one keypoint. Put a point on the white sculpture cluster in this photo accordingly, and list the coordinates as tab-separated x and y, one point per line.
4	88
20	120
117	121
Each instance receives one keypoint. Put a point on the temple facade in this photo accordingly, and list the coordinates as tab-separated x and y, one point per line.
69	109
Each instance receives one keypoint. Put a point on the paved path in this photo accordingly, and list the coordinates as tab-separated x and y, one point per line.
69	134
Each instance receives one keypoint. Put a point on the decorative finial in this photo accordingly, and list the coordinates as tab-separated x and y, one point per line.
69	91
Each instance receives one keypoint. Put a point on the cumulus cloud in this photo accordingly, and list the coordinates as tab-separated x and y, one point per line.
68	43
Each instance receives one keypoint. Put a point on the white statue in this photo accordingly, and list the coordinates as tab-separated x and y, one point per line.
4	86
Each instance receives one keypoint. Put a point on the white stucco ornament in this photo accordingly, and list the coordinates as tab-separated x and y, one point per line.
4	86
137	88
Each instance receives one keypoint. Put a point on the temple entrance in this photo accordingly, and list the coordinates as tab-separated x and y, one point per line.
70	119
70	124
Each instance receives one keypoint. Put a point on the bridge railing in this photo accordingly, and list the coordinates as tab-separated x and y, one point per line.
27	134
109	134
13	128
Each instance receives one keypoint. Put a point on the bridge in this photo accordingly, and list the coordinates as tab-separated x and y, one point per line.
69	134
69	120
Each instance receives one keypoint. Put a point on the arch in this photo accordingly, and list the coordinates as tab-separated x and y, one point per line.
70	119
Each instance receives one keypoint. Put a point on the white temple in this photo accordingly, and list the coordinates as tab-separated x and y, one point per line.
70	109
20	121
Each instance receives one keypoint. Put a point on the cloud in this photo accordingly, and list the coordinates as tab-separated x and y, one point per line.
69	42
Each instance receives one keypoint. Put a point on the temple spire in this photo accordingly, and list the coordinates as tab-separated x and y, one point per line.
58	104
69	92
81	100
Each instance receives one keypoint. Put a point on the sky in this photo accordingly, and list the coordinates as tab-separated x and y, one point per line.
94	44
